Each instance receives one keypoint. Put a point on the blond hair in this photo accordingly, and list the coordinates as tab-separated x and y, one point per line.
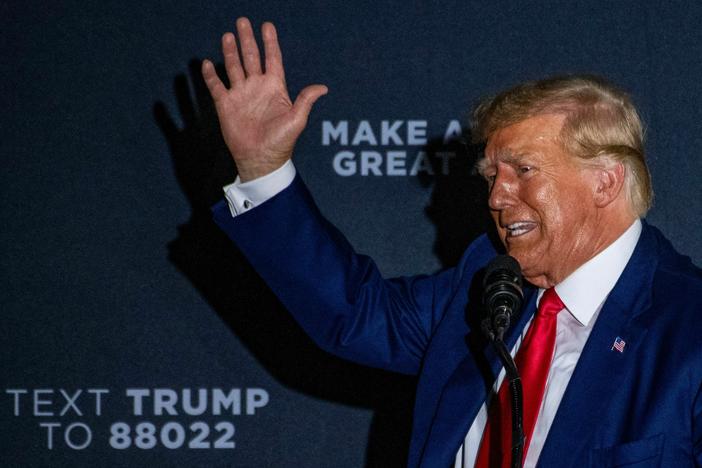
601	126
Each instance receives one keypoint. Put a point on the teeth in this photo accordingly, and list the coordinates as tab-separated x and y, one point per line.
515	226
517	229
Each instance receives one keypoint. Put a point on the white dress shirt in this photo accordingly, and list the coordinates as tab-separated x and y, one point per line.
583	293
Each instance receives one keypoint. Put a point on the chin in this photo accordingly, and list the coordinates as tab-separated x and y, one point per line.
519	255
526	264
537	277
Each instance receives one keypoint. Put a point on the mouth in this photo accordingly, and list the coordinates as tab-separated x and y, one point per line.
519	228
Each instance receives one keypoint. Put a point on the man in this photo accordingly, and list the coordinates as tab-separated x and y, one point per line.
614	350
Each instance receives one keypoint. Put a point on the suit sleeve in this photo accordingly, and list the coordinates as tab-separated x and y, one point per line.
697	428
337	295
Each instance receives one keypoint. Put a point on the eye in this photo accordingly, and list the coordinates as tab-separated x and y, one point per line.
525	169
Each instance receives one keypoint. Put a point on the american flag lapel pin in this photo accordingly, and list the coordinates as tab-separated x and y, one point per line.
618	344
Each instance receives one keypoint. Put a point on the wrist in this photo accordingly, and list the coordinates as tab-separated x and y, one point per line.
249	172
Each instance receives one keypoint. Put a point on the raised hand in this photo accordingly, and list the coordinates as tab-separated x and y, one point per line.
259	122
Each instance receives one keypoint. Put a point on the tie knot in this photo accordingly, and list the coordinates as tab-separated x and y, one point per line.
550	303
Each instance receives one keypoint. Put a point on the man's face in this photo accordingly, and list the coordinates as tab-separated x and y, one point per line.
541	199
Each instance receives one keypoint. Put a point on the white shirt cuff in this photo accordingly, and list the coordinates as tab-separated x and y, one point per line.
241	197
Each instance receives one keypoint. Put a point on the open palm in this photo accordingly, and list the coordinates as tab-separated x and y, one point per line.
259	122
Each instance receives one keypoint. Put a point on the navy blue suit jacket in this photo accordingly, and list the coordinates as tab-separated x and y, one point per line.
640	407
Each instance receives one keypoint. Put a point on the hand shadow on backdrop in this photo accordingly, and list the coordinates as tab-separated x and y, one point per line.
219	271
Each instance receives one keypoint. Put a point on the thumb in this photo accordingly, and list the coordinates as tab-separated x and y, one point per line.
306	99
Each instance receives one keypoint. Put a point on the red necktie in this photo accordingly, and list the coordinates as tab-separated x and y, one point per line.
533	361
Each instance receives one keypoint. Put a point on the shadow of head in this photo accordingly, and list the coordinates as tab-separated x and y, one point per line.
458	206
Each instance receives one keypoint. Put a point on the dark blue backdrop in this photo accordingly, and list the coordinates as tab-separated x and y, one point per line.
114	278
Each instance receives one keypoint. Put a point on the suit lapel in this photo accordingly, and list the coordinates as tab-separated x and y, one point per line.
599	370
466	391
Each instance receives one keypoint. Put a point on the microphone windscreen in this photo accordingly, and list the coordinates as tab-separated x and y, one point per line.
502	262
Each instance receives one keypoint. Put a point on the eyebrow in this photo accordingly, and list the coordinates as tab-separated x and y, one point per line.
510	158
481	165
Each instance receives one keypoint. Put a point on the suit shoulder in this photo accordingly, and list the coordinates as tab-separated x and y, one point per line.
677	288
675	270
477	255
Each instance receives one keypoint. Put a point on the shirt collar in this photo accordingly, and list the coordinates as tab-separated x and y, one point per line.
584	291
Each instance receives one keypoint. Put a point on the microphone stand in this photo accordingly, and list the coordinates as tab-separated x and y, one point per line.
494	330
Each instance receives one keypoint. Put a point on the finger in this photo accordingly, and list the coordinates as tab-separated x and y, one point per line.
249	48
214	84
231	59
274	58
306	99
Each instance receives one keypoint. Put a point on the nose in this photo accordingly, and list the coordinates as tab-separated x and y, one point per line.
502	192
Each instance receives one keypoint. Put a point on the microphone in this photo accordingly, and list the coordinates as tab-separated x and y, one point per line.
502	295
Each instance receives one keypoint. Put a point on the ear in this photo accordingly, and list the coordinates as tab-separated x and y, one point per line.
608	182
